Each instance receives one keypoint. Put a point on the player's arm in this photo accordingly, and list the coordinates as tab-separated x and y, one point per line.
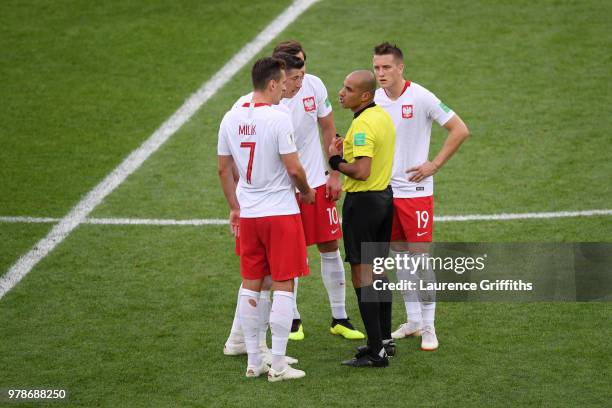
298	176
457	134
235	173
358	170
225	170
333	187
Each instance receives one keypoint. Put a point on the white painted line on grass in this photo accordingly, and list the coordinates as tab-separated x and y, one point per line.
144	221
217	221
30	220
522	216
79	213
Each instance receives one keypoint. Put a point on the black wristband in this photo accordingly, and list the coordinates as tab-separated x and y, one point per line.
335	161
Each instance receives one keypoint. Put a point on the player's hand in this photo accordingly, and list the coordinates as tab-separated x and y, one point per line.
336	147
234	221
308	198
420	172
333	187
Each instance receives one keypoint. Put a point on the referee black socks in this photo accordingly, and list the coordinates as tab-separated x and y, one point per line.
369	308
385	297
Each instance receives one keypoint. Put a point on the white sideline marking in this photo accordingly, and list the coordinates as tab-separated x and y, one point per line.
522	216
216	221
79	213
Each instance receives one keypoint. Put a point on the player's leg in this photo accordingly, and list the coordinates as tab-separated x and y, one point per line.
332	274
234	345
249	322
287	260
297	329
419	215
253	268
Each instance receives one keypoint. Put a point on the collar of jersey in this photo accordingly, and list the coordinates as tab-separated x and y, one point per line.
406	85
257	105
361	111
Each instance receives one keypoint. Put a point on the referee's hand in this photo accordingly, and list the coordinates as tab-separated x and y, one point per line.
308	198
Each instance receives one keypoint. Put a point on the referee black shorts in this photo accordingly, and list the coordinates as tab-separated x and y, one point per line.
367	218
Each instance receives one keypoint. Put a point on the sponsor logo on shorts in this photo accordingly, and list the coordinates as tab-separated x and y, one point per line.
420	234
309	104
335	230
420	189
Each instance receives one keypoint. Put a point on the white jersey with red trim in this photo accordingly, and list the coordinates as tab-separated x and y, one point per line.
412	113
256	137
305	108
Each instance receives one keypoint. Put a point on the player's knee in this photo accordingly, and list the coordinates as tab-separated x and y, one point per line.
329	246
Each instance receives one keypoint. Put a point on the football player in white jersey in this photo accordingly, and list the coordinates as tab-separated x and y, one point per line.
313	120
305	100
413	110
259	142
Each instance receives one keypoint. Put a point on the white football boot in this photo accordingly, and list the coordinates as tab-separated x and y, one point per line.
406	330
234	346
429	341
289	373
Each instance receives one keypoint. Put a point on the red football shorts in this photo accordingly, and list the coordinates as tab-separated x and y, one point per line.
273	246
412	219
320	219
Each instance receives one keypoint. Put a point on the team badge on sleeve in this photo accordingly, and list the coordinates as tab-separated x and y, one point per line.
309	104
444	107
407	111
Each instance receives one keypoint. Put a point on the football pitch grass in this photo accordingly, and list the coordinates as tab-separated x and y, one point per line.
137	315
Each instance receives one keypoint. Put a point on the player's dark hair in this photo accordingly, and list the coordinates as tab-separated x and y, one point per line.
291	61
292	47
264	70
388	49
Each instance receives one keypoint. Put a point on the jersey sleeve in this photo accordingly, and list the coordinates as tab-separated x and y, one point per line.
436	109
364	140
285	135
223	148
323	104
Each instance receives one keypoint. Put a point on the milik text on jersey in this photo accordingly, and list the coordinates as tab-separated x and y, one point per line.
248	130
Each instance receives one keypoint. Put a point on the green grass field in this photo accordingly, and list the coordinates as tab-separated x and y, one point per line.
130	316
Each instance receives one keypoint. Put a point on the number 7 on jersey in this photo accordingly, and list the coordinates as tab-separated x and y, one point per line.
251	147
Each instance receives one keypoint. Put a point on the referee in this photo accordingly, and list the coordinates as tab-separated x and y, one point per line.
367	213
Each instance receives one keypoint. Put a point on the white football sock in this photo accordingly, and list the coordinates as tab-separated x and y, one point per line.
332	272
411	297
280	325
429	313
249	321
296	313
264	317
236	329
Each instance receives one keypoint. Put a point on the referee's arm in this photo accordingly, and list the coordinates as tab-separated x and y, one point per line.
358	170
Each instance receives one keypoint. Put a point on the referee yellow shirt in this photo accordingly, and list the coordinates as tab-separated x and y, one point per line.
372	134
